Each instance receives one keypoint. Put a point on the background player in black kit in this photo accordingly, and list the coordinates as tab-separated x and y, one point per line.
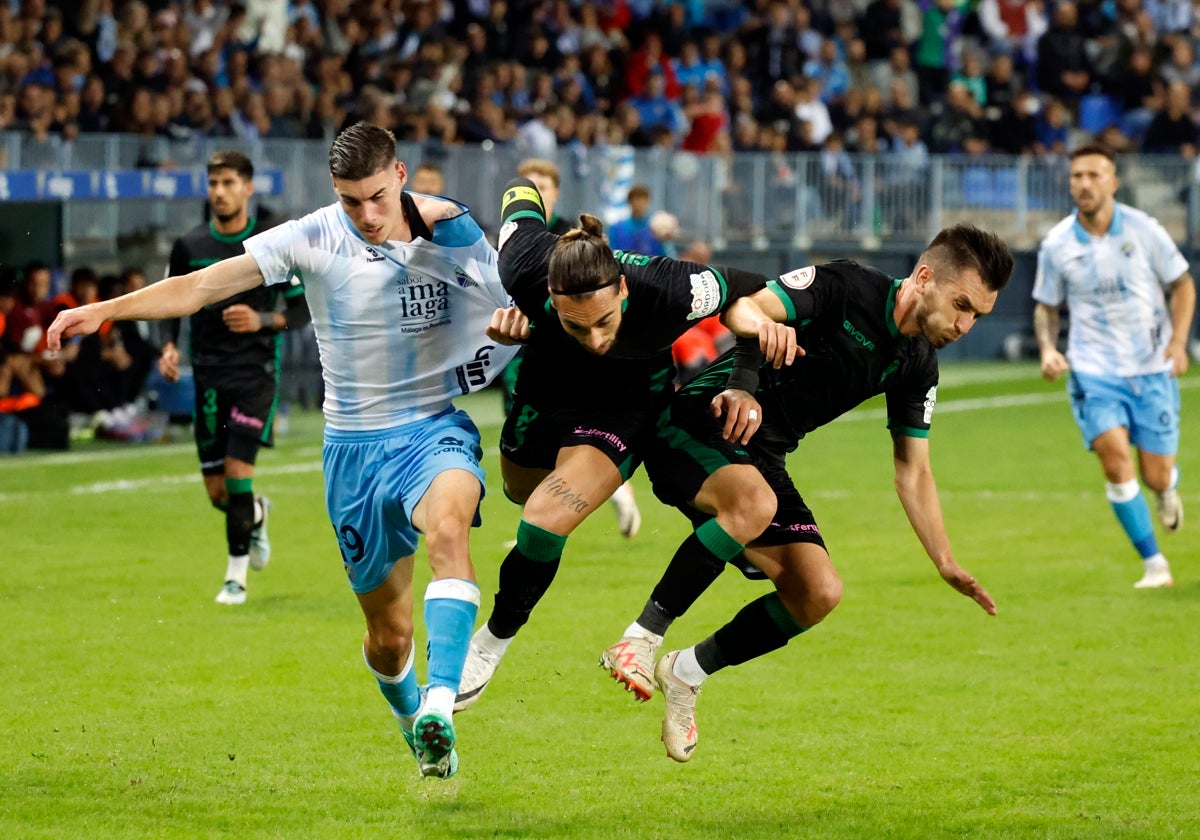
863	333
235	348
595	375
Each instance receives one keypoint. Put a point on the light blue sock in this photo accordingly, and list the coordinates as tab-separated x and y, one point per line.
1129	504
450	609
401	691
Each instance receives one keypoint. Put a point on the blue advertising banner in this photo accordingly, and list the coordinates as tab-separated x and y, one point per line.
115	184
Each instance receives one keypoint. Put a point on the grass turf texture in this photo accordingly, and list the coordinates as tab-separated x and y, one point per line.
134	706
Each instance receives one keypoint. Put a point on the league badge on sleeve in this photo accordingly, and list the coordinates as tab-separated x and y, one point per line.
801	278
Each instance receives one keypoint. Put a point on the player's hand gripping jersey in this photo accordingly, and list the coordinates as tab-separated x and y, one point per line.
666	298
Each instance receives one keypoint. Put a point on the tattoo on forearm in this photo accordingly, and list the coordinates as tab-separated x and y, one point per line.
567	497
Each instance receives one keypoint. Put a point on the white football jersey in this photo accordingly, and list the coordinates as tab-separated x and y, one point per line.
400	326
1114	288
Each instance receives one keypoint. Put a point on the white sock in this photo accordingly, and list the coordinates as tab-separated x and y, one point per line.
236	570
486	640
1157	561
623	494
687	668
637	631
440	698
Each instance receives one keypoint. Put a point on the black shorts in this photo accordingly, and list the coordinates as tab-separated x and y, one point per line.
235	414
535	431
688	447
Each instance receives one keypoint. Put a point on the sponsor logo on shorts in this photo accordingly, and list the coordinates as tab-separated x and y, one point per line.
615	441
801	278
236	416
706	295
803	527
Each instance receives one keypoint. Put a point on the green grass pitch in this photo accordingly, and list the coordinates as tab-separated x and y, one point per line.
133	706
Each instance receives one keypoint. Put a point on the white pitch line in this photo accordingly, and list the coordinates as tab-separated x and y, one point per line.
128	485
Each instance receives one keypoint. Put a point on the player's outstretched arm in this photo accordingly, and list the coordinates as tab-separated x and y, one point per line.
918	494
173	297
762	316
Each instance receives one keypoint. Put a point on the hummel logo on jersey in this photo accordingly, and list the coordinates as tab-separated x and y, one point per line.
373	255
857	335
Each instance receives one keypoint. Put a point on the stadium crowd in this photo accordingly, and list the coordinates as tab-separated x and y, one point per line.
954	76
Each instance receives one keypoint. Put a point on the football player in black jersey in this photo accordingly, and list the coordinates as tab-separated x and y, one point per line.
864	333
235	349
596	375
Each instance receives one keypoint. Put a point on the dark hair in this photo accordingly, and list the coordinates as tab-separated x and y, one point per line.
360	151
1093	149
964	247
582	262
229	159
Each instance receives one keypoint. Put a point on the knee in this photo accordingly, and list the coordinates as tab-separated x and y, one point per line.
389	641
446	537
810	601
750	511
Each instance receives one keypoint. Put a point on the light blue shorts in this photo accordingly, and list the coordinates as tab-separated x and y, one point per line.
1148	406
373	480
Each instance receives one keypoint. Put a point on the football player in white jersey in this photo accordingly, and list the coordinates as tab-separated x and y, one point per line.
402	289
1131	300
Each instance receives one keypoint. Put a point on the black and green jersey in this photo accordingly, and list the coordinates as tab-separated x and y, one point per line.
666	298
211	342
844	318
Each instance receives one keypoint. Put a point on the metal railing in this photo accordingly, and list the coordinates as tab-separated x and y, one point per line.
757	200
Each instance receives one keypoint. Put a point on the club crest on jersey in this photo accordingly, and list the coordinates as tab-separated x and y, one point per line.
464	279
801	278
706	295
1127	248
373	255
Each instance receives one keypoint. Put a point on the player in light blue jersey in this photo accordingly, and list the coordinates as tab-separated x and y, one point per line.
1131	301
402	289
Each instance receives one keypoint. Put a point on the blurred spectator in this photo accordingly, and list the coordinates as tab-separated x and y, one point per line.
546	177
21	384
1014	128
932	54
708	122
1063	67
1052	128
1173	130
1139	92
905	181
427	179
1013	27
773	47
633	234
